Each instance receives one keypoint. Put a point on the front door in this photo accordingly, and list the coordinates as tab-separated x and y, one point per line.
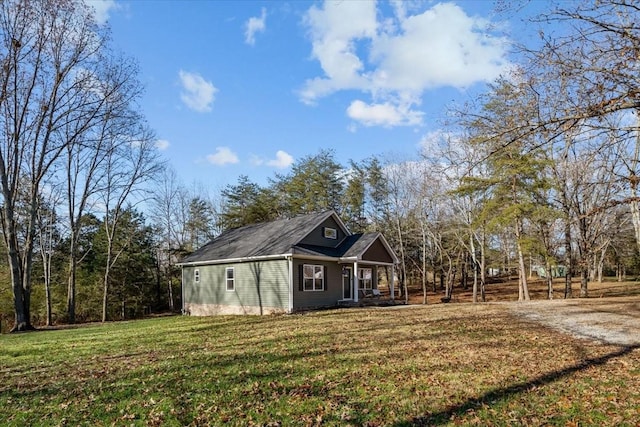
347	283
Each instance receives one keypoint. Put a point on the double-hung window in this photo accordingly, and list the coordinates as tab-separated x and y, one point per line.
313	277
365	279
230	277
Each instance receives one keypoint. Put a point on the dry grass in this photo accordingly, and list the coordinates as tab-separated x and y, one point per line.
446	364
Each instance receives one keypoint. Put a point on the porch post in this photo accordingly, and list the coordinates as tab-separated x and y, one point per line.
391	280
355	281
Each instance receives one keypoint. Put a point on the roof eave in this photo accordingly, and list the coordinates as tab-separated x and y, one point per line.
234	260
351	259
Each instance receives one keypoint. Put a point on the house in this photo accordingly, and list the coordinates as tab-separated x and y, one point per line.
305	262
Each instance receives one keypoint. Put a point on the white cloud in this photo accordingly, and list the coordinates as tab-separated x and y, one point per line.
443	46
395	59
222	156
197	93
162	144
255	25
334	29
385	114
102	8
283	160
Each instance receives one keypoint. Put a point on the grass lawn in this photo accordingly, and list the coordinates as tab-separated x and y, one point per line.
455	364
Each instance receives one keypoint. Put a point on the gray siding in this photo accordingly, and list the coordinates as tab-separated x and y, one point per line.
316	237
309	299
260	287
377	252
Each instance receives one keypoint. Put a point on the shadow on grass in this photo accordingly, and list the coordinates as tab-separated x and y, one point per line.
490	398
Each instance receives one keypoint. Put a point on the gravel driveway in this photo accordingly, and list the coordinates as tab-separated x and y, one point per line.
606	320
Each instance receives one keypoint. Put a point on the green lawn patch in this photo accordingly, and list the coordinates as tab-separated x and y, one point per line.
435	365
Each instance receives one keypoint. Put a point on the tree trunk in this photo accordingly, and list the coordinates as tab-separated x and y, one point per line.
475	283
71	287
600	266
568	291
403	262
584	281
105	284
424	269
523	291
170	289
619	274
483	267
22	322
46	259
451	275
22	319
549	278
463	274
475	268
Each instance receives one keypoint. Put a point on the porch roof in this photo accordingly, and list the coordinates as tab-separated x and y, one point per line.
352	248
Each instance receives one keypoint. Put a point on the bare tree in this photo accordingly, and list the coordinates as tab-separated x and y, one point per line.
48	236
131	163
47	52
169	213
457	160
400	209
116	86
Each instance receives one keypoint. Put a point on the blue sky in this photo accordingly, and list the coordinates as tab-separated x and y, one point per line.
248	87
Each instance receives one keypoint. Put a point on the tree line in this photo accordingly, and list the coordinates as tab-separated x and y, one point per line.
539	170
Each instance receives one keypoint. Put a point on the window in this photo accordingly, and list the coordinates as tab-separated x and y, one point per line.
313	278
230	279
196	275
330	233
364	278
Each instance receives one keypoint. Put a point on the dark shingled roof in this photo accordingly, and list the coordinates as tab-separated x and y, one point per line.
257	240
352	246
359	245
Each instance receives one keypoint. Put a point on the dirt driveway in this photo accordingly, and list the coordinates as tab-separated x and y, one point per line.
606	320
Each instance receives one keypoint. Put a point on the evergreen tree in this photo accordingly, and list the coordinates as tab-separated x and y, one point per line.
314	184
246	203
354	198
515	168
200	223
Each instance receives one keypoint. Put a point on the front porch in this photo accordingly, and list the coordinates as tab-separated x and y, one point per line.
361	284
368	263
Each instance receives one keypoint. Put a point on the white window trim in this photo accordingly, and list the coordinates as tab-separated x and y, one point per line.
232	279
304	278
366	284
196	275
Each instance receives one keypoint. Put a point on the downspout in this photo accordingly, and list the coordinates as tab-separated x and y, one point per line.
290	302
182	289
